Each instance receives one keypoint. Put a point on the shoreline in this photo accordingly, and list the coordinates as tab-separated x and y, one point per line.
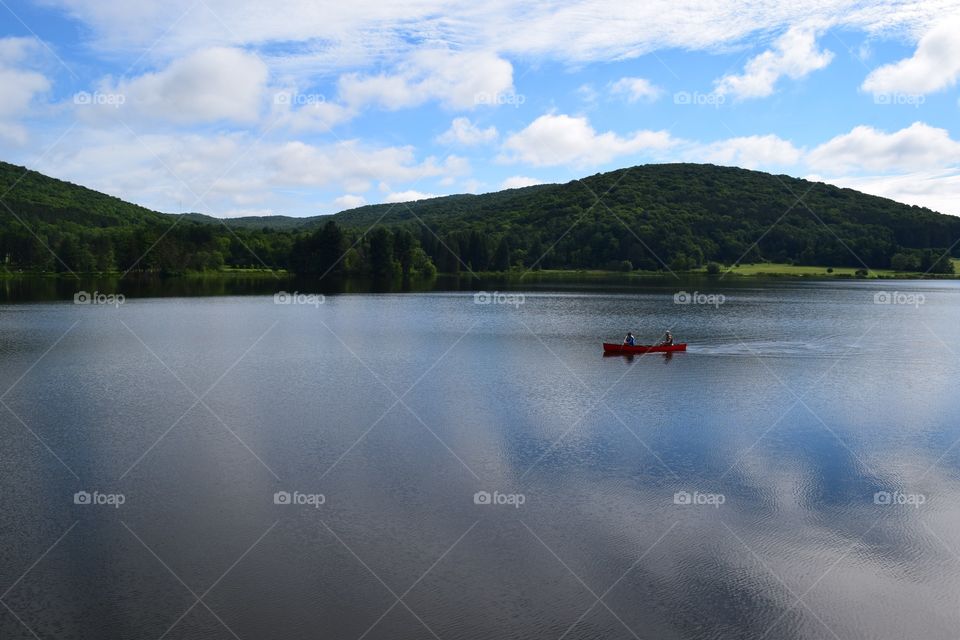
755	270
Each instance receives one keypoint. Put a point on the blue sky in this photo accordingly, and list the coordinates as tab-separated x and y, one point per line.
234	107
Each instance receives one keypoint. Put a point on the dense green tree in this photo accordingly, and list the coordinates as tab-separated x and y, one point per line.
382	263
905	262
403	247
501	259
320	253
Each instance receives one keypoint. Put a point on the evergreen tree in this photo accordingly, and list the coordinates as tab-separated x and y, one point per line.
501	260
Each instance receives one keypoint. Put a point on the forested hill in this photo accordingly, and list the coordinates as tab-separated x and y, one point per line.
49	225
683	214
36	197
648	217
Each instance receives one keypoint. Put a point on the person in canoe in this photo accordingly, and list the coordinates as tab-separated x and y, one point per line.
667	340
630	341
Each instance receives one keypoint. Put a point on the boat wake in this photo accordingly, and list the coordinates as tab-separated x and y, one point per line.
770	348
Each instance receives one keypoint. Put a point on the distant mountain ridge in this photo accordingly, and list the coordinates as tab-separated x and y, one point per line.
650	217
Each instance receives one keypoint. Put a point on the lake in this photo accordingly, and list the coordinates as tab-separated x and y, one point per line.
456	466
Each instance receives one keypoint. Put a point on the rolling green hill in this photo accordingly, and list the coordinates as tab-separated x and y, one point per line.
678	213
36	197
650	217
48	225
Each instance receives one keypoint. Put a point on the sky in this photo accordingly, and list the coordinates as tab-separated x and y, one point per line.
307	107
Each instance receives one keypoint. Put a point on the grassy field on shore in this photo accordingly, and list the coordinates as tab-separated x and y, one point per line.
777	269
762	269
774	269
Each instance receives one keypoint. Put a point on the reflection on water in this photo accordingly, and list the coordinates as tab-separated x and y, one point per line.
32	288
794	474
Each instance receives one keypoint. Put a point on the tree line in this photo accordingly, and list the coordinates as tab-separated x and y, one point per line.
651	218
407	250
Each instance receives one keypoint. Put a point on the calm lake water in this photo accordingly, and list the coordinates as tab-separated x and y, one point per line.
423	466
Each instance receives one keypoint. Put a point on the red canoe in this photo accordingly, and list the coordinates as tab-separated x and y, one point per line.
622	348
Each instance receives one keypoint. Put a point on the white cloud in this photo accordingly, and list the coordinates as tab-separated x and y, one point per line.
459	80
351	34
937	190
464	132
917	165
20	87
794	55
636	89
206	86
914	148
303	112
409	196
162	171
349	201
935	64
354	165
516	182
562	139
587	94
751	152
